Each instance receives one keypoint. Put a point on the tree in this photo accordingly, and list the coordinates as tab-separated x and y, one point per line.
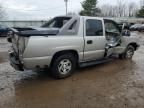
2	12
140	13
109	11
142	3
132	8
71	13
119	10
90	8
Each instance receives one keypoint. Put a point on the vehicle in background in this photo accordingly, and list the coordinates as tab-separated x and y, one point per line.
135	27
4	30
66	42
141	28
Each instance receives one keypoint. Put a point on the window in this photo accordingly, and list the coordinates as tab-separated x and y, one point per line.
94	27
73	25
111	28
57	22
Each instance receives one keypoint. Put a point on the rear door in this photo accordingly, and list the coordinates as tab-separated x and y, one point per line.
95	40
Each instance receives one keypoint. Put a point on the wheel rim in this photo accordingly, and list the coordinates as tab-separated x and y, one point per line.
65	66
129	53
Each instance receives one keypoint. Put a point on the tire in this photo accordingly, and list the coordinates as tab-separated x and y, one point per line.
128	54
63	66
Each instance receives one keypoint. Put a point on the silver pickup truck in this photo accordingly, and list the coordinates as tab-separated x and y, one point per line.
65	42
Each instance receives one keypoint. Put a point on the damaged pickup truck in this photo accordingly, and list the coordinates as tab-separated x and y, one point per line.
66	42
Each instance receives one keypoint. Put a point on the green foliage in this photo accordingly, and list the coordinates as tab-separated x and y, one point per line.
140	13
89	8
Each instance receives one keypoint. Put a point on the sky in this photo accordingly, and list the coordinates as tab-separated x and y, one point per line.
44	9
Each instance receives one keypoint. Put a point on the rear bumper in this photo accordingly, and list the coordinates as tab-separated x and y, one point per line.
15	62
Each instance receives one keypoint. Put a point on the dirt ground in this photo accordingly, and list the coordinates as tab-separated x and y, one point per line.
116	84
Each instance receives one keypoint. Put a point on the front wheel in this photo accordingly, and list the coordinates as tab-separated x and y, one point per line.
128	54
63	66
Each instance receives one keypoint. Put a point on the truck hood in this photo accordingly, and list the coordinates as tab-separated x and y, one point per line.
34	31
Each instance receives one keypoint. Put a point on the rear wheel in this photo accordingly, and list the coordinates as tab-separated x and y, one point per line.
128	54
63	66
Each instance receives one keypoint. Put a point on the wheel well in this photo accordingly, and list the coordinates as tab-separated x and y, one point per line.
134	45
57	54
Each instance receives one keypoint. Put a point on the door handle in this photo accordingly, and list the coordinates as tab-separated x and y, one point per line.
89	42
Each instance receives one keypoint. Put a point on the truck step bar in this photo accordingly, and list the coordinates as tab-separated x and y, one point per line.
94	62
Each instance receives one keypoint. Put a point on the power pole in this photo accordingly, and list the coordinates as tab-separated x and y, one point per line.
66	4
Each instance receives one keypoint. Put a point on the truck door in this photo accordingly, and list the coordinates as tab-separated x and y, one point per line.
95	40
113	36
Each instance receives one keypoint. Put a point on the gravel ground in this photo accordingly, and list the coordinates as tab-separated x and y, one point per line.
116	84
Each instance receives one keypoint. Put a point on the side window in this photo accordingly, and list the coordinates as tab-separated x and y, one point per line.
65	21
94	27
73	25
110	27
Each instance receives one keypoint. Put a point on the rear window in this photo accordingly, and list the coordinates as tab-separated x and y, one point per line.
73	25
57	22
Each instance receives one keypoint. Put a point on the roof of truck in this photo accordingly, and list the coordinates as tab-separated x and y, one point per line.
93	17
100	18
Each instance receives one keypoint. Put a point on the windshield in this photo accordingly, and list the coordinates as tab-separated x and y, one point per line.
57	22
